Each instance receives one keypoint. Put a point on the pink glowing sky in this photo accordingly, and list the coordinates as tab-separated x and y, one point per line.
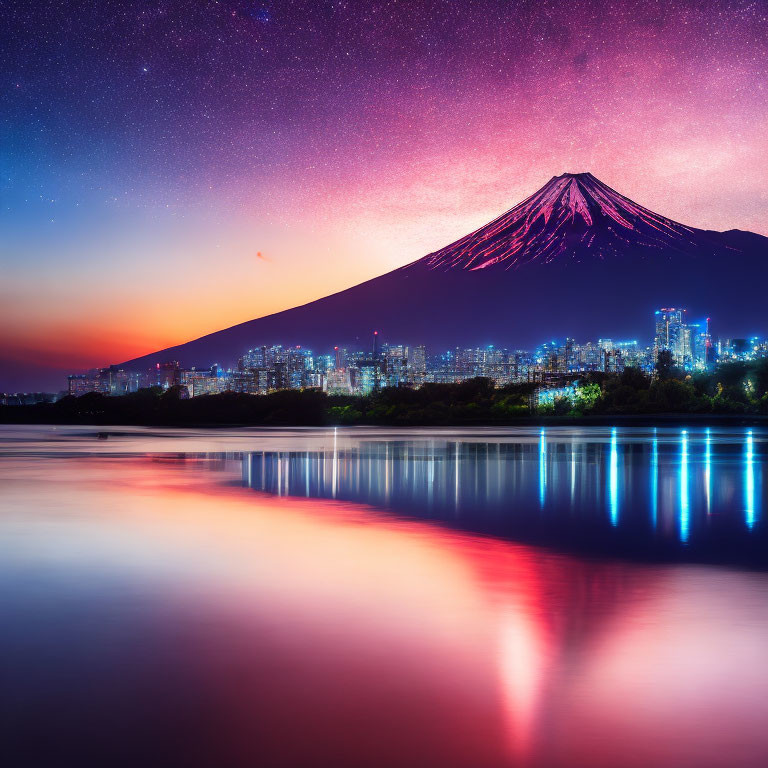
226	163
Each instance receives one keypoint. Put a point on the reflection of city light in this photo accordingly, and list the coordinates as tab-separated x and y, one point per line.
334	466
684	504
613	479
749	484
386	473
521	665
654	479
288	474
542	467
431	473
573	471
456	489
451	479
708	470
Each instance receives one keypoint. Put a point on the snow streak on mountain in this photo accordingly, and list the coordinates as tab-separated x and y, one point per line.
574	215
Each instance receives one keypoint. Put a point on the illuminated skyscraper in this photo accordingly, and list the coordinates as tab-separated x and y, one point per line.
417	364
367	378
396	362
673	334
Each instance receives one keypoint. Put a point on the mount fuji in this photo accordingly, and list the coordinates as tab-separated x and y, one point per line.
574	259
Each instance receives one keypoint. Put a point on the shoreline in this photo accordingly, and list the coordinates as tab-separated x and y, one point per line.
617	420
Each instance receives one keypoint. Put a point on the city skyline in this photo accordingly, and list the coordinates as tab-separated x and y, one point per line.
271	367
691	344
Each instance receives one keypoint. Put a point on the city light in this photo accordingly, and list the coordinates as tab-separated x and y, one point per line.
613	480
542	467
685	514
554	367
654	479
749	482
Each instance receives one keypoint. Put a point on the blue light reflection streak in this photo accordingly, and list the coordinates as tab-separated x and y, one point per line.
654	479
613	479
685	519
573	472
708	470
542	467
334	465
749	482
456	480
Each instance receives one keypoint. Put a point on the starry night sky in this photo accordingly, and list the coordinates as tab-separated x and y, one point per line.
171	168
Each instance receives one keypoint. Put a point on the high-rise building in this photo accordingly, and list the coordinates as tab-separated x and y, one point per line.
498	365
699	343
591	357
287	367
96	380
417	365
253	358
396	365
673	335
367	378
569	356
165	375
337	381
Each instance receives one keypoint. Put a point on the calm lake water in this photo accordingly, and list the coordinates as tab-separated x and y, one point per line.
546	598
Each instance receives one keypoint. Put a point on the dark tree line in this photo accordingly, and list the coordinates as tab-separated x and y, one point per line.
470	402
732	388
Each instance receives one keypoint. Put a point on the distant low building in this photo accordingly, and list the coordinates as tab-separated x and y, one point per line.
548	396
96	380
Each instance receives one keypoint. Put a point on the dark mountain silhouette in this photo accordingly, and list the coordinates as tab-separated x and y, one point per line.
574	259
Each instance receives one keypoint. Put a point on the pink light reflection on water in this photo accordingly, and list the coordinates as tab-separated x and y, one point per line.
322	633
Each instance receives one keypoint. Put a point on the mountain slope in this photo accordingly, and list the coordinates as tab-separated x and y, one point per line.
574	216
576	258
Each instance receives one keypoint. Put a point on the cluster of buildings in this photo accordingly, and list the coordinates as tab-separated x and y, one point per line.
344	371
689	344
692	347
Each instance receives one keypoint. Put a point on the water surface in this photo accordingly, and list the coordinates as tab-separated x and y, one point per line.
572	597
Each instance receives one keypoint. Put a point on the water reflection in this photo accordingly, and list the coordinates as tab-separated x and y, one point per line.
614	479
499	486
542	468
684	501
654	470
335	469
155	611
708	469
749	481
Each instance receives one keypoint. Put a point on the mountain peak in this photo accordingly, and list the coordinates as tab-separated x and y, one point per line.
574	215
